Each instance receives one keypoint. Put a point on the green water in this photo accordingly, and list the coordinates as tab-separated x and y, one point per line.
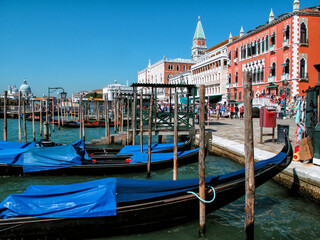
278	214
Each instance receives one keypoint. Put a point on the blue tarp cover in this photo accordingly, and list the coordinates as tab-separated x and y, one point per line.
131	149
139	157
90	199
4	145
41	159
98	198
45	158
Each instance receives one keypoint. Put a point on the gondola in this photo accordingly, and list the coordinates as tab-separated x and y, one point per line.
73	160
155	148
116	206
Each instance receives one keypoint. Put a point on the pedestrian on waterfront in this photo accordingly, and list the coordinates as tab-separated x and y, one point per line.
236	112
222	110
241	112
232	111
218	111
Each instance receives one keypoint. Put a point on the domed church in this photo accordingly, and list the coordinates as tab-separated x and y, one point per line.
25	89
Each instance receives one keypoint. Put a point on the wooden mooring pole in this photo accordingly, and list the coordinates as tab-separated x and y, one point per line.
80	117
150	135
133	121
141	119
107	123
24	120
128	126
40	118
249	158
58	110
52	114
19	116
202	187
5	121
33	122
175	138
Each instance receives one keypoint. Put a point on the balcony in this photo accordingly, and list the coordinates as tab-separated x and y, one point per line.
272	79
228	85
273	48
304	78
229	62
235	61
285	76
286	43
235	84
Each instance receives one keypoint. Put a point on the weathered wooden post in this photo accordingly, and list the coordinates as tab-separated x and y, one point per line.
150	135
58	110
24	121
40	118
202	187
5	121
61	113
122	113
64	110
52	114
133	118
33	122
141	120
98	111
175	138
80	116
82	119
128	126
249	158
47	124
19	116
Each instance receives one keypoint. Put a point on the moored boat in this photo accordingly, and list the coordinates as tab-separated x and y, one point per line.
118	206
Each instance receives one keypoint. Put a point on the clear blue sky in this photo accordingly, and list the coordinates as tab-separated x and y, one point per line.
87	44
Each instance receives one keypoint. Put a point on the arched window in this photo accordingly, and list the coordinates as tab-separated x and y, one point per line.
267	43
273	39
254	48
303	33
273	70
184	68
244	52
302	68
169	76
178	67
259	48
236	77
286	67
229	56
229	78
287	33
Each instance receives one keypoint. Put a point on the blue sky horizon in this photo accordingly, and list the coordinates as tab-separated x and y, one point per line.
87	44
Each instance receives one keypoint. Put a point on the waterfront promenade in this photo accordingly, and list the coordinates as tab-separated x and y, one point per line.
228	141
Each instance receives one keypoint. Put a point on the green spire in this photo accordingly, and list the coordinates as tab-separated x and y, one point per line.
199	34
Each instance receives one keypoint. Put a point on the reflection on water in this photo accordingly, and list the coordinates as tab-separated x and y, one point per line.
278	215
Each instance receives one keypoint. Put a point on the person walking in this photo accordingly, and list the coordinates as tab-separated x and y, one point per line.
232	111
241	112
236	111
218	111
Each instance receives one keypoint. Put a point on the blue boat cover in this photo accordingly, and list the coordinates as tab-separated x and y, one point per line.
98	198
139	157
45	158
90	199
131	149
42	159
4	145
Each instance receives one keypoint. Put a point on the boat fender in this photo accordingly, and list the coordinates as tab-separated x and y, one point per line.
202	200
128	160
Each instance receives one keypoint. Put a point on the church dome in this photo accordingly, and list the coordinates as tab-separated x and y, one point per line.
25	89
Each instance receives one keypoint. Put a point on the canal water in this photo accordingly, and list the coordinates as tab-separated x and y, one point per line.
278	214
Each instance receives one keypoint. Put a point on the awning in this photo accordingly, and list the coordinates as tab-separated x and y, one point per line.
272	86
184	100
213	98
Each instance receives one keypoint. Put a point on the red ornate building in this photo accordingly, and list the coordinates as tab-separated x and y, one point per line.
279	55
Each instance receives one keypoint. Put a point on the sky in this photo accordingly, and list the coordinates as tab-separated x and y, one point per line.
87	44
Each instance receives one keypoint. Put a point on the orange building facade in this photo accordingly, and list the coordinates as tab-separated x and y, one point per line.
278	55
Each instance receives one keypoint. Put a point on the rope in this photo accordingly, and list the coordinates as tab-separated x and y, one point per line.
202	200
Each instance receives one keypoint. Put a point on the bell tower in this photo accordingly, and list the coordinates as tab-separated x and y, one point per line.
199	42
